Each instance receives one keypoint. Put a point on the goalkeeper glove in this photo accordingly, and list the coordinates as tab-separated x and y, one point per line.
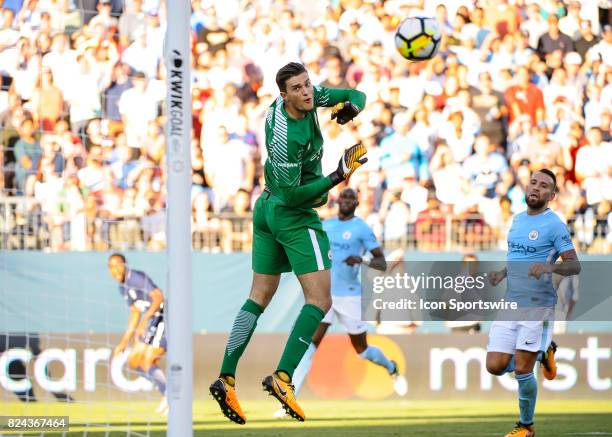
351	160
344	112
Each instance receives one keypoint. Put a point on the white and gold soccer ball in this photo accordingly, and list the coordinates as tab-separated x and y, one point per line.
418	38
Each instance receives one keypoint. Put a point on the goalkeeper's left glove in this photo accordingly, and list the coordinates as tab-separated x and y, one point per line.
352	159
344	112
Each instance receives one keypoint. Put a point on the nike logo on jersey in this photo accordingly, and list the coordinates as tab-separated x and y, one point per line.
529	342
317	155
304	341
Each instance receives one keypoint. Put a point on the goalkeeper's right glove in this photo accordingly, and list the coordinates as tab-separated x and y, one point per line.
344	112
351	160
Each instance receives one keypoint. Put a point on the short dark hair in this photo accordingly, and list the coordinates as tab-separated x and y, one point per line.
287	72
349	190
117	255
550	174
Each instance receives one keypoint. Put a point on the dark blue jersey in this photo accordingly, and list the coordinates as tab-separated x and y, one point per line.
136	290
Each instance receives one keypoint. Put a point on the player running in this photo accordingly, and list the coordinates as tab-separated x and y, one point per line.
350	238
145	324
538	237
287	231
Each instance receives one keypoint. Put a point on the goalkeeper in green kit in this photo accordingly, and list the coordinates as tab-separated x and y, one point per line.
287	232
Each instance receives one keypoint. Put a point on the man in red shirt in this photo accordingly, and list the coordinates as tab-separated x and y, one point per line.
525	98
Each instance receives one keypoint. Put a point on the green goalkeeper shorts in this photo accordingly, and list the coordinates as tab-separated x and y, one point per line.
286	239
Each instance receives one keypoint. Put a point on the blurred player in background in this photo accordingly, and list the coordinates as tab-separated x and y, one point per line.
287	231
145	324
538	237
469	269
350	239
567	295
17	370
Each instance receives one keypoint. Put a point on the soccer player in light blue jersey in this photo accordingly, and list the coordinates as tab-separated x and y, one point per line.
536	239
350	239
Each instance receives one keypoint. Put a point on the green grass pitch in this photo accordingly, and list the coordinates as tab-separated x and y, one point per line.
336	418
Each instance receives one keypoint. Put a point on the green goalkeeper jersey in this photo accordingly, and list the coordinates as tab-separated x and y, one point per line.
293	170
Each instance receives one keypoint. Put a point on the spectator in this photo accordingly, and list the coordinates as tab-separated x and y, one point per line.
517	193
333	73
430	226
525	98
8	34
570	24
232	168
104	16
47	101
593	163
123	167
130	21
545	151
83	95
137	107
485	167
414	195
100	132
457	136
488	104
535	26
447	175
92	176
27	154
587	38
48	191
140	56
603	49
423	133
119	83
501	17
554	39
399	153
396	216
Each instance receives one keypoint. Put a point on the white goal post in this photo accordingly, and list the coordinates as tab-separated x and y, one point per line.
178	135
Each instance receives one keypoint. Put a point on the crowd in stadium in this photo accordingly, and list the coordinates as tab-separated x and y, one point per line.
518	85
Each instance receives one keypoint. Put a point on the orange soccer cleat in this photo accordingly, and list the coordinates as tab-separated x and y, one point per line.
521	430
225	395
284	392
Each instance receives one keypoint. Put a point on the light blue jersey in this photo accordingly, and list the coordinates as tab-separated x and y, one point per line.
347	238
534	239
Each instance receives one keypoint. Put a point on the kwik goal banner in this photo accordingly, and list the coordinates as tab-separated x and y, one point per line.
437	366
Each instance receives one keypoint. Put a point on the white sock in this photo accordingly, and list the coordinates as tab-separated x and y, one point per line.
299	376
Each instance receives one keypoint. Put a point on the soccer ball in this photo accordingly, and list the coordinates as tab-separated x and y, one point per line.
418	38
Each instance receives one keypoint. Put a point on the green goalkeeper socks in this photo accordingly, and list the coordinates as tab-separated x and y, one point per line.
244	326
300	338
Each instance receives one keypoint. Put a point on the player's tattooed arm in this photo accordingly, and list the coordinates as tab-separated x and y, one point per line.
568	267
570	264
157	298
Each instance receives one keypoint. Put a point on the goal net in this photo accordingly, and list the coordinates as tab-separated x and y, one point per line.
83	176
